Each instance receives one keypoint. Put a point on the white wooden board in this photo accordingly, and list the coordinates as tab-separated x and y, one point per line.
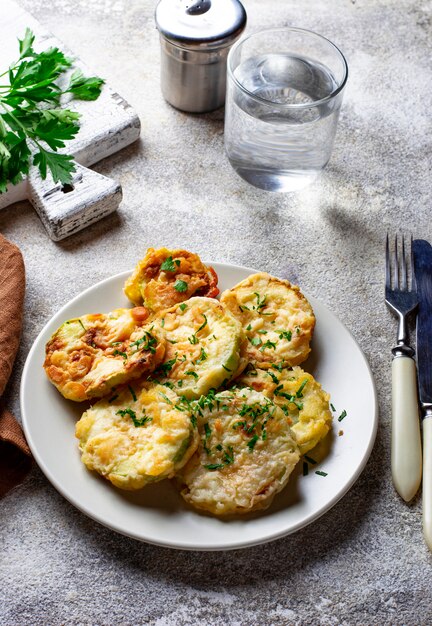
106	126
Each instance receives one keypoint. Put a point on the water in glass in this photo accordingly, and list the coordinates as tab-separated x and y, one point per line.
275	147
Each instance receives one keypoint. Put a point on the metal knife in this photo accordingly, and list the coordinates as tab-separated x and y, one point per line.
422	251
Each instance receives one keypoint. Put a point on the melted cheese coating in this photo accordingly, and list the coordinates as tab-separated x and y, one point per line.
137	436
245	455
300	396
203	344
277	320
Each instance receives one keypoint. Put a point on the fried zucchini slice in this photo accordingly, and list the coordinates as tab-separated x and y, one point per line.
137	436
89	355
301	398
277	320
203	344
167	277
245	456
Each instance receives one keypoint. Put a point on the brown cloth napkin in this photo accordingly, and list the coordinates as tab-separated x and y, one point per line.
15	455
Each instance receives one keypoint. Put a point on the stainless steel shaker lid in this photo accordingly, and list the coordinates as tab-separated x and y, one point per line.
206	24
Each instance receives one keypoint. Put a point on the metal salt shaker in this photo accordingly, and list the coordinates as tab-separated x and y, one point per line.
195	37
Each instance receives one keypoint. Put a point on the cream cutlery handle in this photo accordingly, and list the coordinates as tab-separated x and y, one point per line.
427	481
406	454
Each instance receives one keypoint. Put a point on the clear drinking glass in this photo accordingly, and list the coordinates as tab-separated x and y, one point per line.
284	93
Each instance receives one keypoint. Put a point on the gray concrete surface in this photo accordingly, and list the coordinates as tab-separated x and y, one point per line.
364	562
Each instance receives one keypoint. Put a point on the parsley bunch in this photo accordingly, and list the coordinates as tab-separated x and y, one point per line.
32	124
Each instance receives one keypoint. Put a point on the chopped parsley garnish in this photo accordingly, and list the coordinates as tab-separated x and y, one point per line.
180	286
180	383
123	412
83	327
287	396
249	327
299	392
207	430
192	373
305	469
132	393
310	460
202	357
204	324
241	424
193	339
274	378
332	407
113	398
342	415
256	341
321	473
162	322
116	343
283	394
183	306
168	365
262	332
228	456
260	303
277	367
165	397
219	447
142	421
147	342
251	443
268	344
227	369
136	421
285	334
214	466
119	353
298	330
169	265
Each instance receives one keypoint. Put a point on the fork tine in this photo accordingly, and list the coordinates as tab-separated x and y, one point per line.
396	267
404	284
387	271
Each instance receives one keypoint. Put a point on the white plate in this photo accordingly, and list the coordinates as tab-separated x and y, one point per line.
157	514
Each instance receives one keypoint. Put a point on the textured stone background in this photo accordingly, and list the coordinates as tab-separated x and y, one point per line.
364	562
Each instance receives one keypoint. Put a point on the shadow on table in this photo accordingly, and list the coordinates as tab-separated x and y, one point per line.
340	530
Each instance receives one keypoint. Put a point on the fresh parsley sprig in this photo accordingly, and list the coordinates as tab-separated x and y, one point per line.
32	125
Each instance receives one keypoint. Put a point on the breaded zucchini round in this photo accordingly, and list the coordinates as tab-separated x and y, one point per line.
89	355
277	320
137	436
245	455
301	398
167	277
203	344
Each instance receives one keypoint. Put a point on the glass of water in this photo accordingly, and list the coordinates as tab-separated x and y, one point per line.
284	93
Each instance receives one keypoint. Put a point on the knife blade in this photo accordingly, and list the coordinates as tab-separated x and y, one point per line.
422	253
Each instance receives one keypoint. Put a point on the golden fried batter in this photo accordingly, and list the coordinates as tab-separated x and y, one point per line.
89	355
167	277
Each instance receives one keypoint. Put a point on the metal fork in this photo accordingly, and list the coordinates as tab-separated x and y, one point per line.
401	299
